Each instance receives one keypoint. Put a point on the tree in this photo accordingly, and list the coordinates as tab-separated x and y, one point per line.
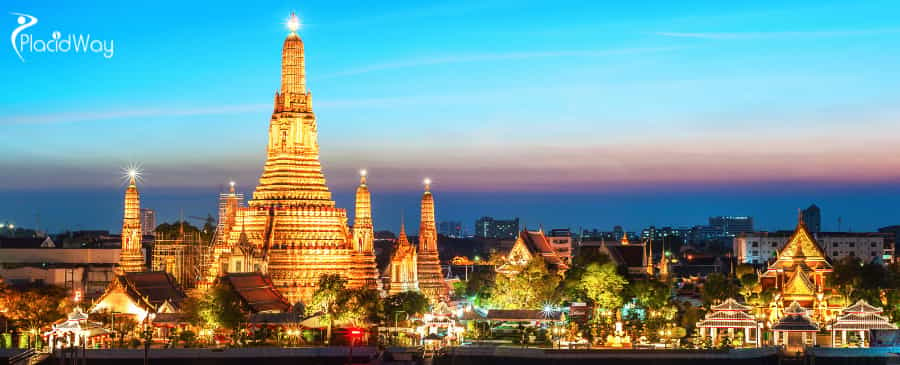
717	288
845	277
749	285
532	287
650	294
361	306
220	307
603	285
325	300
35	307
570	289
409	302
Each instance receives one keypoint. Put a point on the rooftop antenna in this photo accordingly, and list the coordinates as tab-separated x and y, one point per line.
839	224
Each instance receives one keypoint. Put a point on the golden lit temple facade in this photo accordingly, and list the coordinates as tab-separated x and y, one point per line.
799	275
291	229
403	267
131	258
431	279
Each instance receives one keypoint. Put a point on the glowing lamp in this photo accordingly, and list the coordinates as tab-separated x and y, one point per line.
363	172
427	181
231	183
293	23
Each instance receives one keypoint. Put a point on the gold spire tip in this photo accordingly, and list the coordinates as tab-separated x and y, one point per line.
427	184
293	23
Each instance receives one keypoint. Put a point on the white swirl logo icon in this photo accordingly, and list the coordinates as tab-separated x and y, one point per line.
25	21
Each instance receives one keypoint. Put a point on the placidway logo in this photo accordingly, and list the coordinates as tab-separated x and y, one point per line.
78	43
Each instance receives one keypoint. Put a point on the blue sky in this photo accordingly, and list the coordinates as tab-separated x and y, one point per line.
583	99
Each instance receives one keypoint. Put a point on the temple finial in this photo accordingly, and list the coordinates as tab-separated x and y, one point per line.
362	176
231	187
427	184
800	216
293	23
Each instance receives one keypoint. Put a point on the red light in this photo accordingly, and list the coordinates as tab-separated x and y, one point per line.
355	332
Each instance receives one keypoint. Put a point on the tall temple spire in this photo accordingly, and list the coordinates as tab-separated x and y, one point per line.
427	227
131	258
364	233
293	65
292	175
431	280
292	227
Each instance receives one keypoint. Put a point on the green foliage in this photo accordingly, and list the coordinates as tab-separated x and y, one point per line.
717	288
410	302
845	277
361	306
650	294
749	285
571	288
603	285
221	307
530	288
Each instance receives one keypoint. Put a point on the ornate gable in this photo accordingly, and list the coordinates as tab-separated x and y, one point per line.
799	284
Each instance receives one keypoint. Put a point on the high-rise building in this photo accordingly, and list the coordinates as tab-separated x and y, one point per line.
813	218
131	258
291	229
729	226
561	241
148	221
450	229
504	229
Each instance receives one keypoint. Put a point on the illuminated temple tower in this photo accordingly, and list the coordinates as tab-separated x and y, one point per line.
291	229
403	267
431	281
131	258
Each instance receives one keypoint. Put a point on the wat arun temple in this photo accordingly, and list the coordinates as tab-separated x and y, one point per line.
291	230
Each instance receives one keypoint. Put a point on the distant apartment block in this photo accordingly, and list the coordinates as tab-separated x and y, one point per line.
730	226
148	221
561	240
812	217
504	229
450	229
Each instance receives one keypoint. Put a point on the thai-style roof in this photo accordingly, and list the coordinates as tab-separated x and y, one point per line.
627	255
727	319
860	321
150	290
78	323
539	245
799	284
862	306
802	248
530	244
862	316
157	286
730	305
795	320
257	292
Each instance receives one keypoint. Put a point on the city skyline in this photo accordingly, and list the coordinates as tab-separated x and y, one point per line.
608	118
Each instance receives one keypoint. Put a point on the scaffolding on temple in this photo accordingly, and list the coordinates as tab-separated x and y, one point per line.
180	255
